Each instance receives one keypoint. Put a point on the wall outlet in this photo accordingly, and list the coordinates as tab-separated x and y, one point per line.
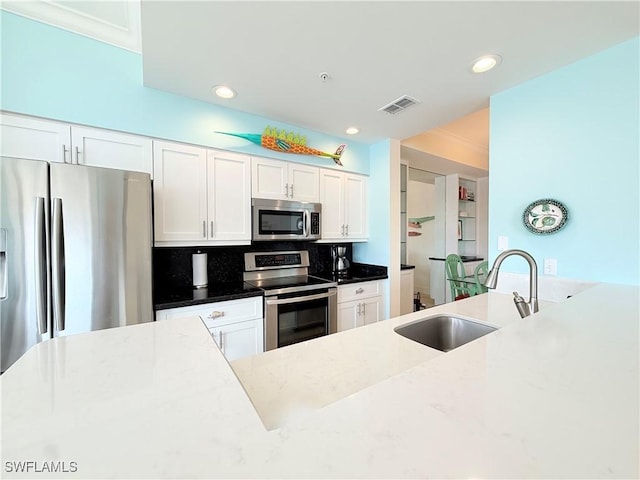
550	266
503	243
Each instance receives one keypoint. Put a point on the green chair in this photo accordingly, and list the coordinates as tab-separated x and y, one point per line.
480	274
461	285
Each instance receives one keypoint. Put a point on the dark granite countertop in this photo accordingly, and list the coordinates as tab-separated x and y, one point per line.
216	292
358	272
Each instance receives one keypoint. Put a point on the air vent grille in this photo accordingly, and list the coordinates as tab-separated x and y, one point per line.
399	104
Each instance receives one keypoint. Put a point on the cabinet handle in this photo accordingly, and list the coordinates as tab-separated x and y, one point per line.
358	311
64	153
204	228
211	232
343	230
286	190
363	308
215	314
78	153
292	190
360	290
346	229
221	340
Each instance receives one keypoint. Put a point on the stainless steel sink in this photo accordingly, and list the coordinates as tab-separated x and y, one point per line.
443	332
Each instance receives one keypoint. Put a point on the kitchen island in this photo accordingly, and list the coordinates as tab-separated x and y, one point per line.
552	395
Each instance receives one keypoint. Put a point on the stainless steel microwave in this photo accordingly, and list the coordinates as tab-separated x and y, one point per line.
285	220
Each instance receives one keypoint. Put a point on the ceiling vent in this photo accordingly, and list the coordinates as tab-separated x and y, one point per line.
399	104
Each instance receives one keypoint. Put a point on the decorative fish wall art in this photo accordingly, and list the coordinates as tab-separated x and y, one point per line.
286	142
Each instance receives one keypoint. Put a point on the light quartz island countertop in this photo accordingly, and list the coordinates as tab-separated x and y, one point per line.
554	395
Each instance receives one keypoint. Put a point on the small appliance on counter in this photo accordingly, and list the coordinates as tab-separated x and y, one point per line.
340	262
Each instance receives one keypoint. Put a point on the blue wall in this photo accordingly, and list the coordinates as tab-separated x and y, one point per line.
376	250
572	135
52	73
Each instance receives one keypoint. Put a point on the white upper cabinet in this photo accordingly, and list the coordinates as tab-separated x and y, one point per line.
48	140
179	193
332	199
104	148
201	197
355	206
34	139
229	187
280	180
344	206
304	183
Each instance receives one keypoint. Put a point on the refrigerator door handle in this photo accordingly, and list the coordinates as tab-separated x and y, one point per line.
4	280
40	255
57	254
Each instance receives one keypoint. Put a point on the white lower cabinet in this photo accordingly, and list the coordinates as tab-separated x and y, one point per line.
238	340
236	326
360	304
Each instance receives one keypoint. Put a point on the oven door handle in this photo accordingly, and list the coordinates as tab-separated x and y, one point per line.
284	301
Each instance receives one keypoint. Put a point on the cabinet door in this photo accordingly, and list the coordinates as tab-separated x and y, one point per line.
34	139
348	315
269	179
104	148
359	313
332	199
355	206
370	311
180	192
237	340
229	203
304	183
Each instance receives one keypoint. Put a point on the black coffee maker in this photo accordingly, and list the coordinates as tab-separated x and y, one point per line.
340	262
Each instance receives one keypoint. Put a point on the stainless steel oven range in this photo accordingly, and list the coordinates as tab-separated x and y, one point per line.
297	306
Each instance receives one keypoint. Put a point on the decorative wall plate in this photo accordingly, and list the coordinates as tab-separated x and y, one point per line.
545	216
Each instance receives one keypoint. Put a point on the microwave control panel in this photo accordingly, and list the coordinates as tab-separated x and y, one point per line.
315	223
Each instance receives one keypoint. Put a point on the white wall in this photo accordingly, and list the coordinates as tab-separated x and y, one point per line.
421	203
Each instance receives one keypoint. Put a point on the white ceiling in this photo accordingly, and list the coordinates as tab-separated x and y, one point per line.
273	52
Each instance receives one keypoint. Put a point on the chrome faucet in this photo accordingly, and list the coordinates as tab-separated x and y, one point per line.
524	308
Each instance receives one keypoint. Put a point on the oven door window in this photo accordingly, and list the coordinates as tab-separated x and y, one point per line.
278	222
302	321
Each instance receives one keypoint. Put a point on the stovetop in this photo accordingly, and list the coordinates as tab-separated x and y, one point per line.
291	284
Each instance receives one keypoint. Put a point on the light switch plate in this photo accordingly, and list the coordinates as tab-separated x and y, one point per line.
550	266
503	243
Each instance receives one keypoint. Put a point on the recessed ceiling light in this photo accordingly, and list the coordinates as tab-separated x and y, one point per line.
352	131
485	63
223	91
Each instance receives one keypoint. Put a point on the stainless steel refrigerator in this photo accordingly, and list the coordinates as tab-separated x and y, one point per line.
75	251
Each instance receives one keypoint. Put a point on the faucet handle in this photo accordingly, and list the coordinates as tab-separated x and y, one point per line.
521	305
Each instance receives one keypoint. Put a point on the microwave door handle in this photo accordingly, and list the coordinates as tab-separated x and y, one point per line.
285	301
305	223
